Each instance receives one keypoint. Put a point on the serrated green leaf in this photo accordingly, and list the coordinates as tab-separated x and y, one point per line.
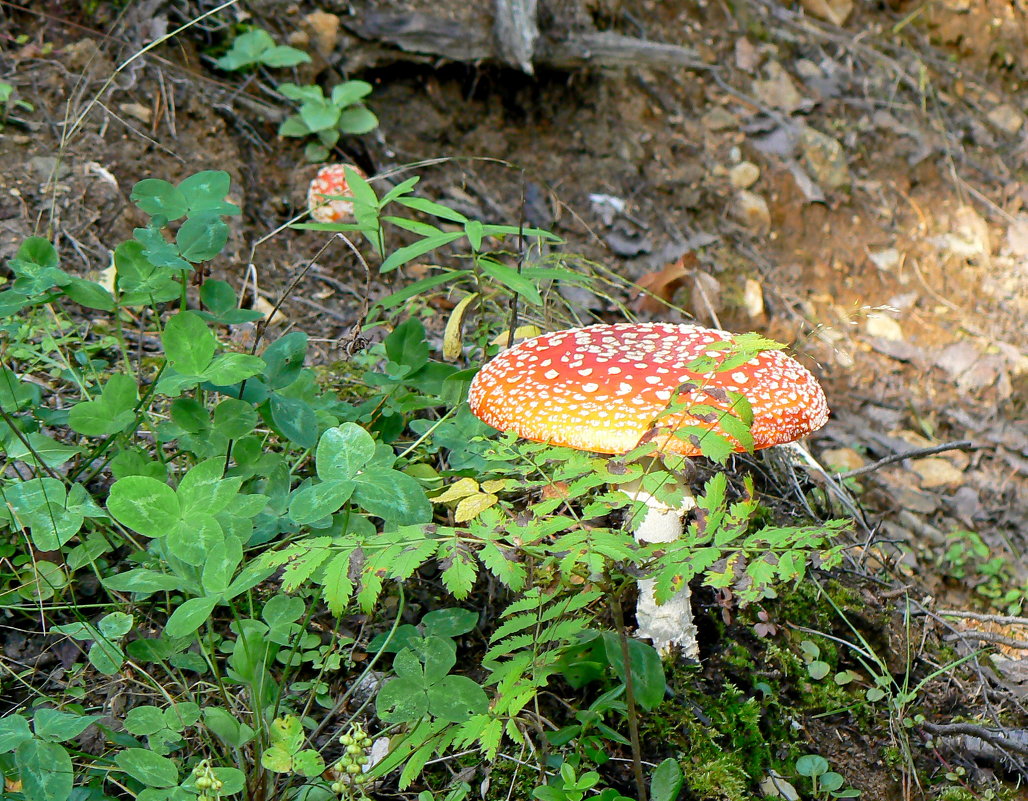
336	584
459	576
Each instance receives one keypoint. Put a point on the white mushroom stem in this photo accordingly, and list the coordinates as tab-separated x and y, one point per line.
669	623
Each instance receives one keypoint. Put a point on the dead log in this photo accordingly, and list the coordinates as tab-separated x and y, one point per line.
516	33
513	40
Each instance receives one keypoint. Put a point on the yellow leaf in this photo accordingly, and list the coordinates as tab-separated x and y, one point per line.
453	335
472	506
459	489
496	485
521	332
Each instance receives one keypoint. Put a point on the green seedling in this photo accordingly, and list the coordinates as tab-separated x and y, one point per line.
255	48
824	783
327	118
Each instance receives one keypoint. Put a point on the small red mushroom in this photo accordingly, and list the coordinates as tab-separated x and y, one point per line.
330	181
607	388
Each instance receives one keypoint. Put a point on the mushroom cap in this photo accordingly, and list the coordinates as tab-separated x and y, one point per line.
602	388
331	180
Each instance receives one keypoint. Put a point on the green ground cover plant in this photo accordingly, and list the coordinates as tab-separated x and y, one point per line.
233	513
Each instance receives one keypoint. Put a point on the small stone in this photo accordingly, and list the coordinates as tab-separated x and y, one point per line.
880	325
968	237
1007	118
885	260
746	56
744	175
777	89
751	209
719	119
137	110
936	472
1016	243
825	158
324	27
753	298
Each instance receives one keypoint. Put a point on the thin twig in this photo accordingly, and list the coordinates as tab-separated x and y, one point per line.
986	636
1008	619
342	318
958	445
633	723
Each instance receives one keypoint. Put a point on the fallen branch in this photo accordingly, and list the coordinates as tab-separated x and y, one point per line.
513	41
1015	740
958	445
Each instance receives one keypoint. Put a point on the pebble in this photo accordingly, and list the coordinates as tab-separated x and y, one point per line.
744	175
719	119
751	209
880	325
778	89
885	260
1007	118
825	158
753	298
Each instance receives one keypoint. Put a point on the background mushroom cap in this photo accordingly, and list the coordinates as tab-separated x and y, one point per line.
331	180
602	388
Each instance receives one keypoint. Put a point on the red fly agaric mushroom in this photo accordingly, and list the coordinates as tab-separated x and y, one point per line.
608	388
329	182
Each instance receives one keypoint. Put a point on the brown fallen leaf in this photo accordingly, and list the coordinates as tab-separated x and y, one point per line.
661	285
936	472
